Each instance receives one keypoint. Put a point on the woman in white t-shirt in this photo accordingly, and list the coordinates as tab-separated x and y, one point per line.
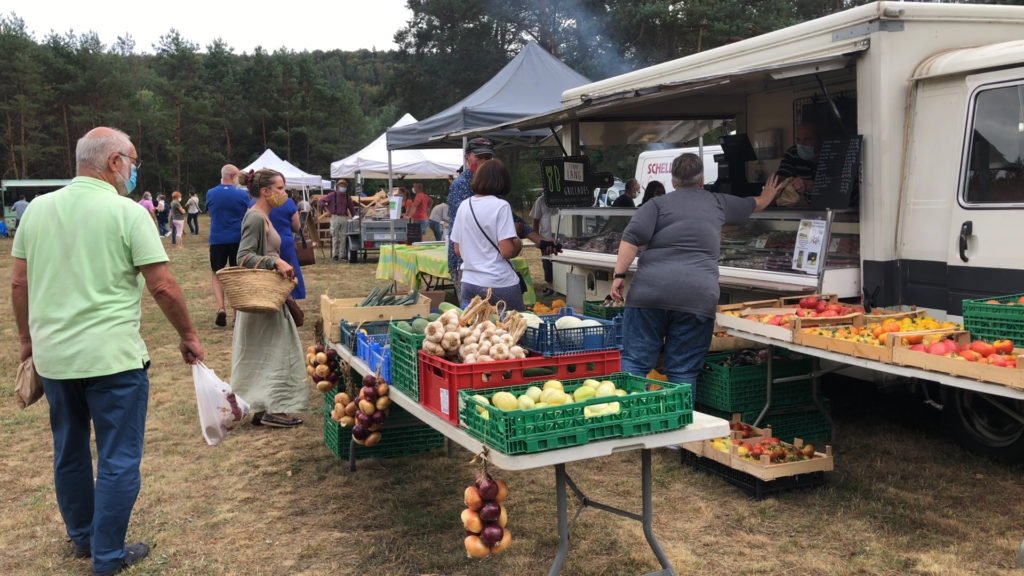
484	236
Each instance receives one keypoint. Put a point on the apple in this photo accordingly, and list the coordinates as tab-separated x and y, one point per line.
918	348
996	360
820	307
809	302
939	349
970	355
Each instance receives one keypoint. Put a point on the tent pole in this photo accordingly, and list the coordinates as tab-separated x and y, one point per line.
390	185
465	165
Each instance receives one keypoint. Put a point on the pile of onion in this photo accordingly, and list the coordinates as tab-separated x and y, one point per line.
366	413
485	517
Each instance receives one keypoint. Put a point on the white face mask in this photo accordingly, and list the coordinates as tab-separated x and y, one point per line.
342	189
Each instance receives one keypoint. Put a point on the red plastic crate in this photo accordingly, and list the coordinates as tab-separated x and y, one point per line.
441	380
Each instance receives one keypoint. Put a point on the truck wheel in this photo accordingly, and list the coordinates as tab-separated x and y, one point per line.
991	426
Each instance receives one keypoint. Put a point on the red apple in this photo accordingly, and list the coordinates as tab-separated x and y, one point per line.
918	348
983	348
1003	346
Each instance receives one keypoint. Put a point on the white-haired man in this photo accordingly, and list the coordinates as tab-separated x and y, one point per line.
82	289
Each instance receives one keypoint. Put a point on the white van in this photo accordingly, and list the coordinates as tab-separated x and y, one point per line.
657	165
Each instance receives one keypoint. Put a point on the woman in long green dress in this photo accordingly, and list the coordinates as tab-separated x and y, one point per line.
267	363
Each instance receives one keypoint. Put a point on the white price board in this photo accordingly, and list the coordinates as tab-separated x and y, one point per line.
574	171
810	240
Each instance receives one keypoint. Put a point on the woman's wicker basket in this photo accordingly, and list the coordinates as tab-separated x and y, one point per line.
255	290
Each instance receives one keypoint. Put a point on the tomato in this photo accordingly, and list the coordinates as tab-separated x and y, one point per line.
970	355
1003	346
983	348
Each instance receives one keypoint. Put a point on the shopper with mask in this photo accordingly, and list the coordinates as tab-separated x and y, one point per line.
801	160
267	364
77	308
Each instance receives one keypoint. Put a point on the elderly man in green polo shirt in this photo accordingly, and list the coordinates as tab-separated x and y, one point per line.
76	292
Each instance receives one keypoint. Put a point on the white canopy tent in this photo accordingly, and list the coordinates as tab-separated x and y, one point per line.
372	161
293	177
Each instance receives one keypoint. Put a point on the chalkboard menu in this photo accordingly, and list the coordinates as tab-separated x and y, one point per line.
837	174
566	182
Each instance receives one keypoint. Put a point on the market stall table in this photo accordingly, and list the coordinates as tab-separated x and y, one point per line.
704	427
846	360
427	264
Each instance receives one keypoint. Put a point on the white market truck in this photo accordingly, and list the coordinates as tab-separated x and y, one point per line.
931	210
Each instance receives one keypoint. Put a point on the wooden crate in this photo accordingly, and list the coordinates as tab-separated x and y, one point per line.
1011	377
726	343
764	469
856	349
334	310
779	306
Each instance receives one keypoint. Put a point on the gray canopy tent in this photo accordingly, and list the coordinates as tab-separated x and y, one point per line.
532	83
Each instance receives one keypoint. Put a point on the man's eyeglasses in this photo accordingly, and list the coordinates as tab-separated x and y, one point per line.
484	156
135	161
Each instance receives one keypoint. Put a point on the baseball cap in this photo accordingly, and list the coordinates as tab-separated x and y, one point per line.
480	146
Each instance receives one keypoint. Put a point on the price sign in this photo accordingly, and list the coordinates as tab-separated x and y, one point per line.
565	182
810	239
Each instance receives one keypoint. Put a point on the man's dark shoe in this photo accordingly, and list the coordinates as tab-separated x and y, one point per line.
132	554
82	551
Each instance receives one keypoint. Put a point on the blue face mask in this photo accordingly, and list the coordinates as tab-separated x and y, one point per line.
805	152
132	180
342	189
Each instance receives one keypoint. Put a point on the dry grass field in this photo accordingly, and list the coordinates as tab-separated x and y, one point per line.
904	499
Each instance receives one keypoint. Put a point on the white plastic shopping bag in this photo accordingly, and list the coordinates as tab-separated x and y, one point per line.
220	410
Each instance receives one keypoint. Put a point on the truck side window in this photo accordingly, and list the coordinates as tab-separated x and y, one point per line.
995	168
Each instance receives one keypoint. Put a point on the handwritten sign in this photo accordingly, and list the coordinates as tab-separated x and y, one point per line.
565	182
837	174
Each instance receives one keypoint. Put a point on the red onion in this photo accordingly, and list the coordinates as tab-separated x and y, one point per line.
363	418
490	512
487	486
319	348
492	534
369	393
360	432
369	380
377	418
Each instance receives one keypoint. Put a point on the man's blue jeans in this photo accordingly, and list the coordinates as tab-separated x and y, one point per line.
435	226
96	514
686	337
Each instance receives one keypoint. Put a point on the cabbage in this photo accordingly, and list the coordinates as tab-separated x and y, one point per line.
566	322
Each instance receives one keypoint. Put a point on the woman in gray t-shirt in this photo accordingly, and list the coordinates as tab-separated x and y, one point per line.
674	292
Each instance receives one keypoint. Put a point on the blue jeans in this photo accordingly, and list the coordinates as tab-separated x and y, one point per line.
686	337
435	227
96	514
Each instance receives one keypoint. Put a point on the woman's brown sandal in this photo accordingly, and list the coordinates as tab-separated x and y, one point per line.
280	421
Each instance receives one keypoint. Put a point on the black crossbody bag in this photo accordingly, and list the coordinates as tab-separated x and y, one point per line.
522	281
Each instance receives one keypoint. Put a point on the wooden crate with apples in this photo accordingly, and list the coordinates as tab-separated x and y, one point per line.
735	452
865	336
998	362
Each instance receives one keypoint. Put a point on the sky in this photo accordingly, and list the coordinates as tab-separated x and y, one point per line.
297	24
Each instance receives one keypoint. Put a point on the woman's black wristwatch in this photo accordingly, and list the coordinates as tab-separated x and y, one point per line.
619	275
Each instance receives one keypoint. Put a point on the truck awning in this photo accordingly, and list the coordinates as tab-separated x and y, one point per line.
970	60
677	111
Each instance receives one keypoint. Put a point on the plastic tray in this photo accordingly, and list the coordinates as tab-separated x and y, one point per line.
401	435
405	369
995	321
547	340
441	380
744	388
597	309
375	351
536	430
348	332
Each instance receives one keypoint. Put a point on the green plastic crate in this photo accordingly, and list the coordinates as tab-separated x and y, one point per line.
405	364
804	422
995	321
539	429
743	388
597	309
402	435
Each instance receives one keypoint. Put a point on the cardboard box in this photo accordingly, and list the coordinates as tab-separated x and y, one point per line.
334	310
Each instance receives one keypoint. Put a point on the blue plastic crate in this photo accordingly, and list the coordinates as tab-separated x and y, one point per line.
373	349
348	332
550	341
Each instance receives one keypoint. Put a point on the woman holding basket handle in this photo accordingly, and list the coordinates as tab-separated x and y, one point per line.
267	363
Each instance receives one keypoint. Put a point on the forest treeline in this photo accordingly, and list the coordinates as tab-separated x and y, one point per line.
191	108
